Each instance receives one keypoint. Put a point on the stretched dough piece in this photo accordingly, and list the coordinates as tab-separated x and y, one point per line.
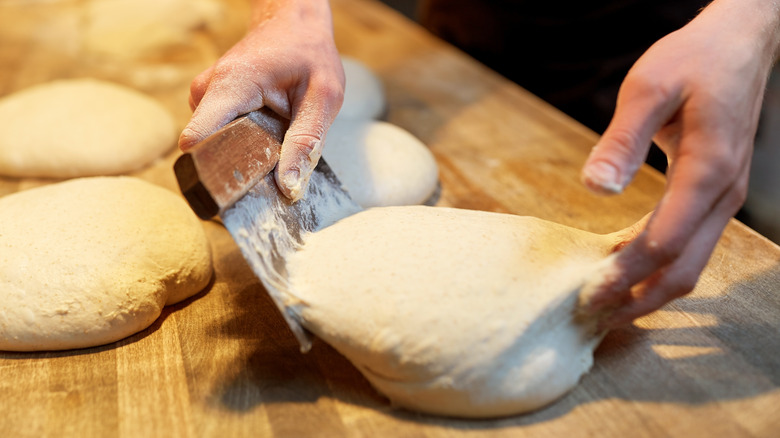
93	260
452	312
364	94
380	164
81	127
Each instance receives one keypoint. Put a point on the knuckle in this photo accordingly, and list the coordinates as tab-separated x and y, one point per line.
329	91
199	83
724	167
622	140
334	92
725	173
641	84
222	71
227	76
304	142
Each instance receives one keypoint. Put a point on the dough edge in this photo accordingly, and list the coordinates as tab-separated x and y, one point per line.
113	304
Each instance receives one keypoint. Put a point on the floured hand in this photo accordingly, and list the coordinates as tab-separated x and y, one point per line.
287	62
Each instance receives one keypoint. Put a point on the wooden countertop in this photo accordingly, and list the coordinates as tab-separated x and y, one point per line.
223	363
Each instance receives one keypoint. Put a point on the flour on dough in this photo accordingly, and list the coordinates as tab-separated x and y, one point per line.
81	127
93	260
380	164
364	94
452	312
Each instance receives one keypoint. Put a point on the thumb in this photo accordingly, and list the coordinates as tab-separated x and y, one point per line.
642	109
218	107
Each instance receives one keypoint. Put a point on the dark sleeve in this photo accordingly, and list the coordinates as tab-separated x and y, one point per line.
574	54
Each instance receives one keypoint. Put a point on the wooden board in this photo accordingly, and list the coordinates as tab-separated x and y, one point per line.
223	363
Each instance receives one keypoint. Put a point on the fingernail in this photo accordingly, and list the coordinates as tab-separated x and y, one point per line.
602	177
291	182
296	181
186	139
316	151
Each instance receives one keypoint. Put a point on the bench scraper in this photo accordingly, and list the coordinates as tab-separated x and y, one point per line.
230	174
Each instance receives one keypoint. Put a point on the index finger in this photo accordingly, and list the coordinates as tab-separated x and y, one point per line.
304	140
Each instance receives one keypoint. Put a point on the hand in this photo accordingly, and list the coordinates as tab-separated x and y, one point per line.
287	62
697	93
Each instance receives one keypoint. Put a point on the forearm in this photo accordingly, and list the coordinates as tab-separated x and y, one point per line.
753	22
313	11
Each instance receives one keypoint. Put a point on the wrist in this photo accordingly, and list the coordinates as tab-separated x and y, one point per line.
775	11
754	22
772	17
310	11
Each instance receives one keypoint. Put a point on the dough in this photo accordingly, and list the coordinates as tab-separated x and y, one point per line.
93	260
452	312
364	95
81	127
135	28
380	164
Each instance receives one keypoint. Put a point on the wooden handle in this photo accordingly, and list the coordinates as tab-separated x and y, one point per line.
219	170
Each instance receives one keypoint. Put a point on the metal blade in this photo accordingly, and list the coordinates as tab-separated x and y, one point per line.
269	228
230	173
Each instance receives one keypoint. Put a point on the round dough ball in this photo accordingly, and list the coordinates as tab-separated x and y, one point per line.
81	127
93	260
364	95
380	164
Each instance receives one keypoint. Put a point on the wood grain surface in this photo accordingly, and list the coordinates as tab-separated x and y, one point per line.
224	364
